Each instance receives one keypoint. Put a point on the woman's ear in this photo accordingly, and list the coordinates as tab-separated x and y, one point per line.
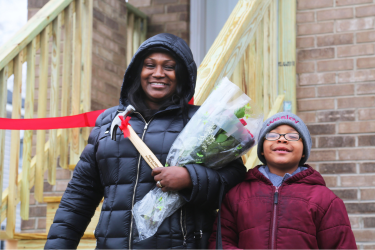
262	153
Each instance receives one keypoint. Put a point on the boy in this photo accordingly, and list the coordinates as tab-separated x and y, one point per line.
283	204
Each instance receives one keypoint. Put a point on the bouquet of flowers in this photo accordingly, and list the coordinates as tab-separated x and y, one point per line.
224	128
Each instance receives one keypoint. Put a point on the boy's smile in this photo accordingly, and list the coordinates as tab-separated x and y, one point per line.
282	156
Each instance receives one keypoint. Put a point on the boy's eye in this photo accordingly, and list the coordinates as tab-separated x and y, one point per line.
292	137
272	136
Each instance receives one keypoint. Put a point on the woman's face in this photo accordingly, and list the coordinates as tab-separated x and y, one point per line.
158	78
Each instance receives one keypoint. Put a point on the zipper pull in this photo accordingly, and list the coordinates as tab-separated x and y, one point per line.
276	197
184	241
145	126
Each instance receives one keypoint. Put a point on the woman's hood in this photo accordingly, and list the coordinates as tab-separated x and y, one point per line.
170	42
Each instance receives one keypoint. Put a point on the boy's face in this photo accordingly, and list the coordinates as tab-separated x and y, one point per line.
282	153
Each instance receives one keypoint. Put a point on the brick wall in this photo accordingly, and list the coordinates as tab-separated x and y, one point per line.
336	98
171	16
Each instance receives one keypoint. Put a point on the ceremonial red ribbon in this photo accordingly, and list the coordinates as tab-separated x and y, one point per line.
124	125
75	121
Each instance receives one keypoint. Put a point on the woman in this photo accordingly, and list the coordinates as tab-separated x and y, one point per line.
158	82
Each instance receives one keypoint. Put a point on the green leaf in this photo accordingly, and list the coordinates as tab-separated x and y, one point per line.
199	155
221	138
240	112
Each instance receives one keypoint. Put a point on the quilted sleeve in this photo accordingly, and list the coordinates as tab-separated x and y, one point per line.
229	232
334	231
79	201
207	182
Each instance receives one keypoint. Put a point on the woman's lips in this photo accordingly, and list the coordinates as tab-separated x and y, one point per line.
158	85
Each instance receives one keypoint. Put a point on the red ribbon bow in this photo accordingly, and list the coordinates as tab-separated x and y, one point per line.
124	125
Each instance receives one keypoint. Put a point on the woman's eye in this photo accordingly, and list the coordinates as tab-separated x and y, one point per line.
169	67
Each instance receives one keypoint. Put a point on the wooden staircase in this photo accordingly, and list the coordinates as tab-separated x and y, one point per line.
250	50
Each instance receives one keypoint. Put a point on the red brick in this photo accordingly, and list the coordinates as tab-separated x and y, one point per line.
163	18
368	246
158	9
358	180
307	117
365	88
98	15
367	167
140	3
351	2
155	2
31	13
61	185
305	92
357	154
37	4
355	50
305	42
368	194
334	14
335	116
305	67
62	174
97	37
322	155
28	224
38	211
355	24
176	26
366	114
308	4
354	221
357	127
331	181
177	8
315	28
316	104
336	142
368	10
337	168
356	102
364	37
366	140
321	129
335	90
41	223
356	76
316	54
337	39
363	207
363	63
312	79
305	17
346	194
335	65
364	234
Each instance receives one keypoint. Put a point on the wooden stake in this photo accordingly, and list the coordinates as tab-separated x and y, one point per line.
3	114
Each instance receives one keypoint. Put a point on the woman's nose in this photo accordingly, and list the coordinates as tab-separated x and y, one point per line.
159	72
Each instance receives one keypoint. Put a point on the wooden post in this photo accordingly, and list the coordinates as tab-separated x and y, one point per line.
76	82
66	83
54	105
3	114
28	135
266	61
15	147
287	54
129	39
42	104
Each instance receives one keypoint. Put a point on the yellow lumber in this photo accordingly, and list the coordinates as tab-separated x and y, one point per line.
259	68
232	41
273	52
67	73
28	32
287	53
85	243
88	9
54	105
129	44
42	107
253	158
15	147
76	83
3	114
266	61
28	135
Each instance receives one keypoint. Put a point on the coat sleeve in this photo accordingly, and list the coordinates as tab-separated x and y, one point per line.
229	232
79	201
334	231
207	182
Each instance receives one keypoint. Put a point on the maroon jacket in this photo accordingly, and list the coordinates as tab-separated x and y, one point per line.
303	214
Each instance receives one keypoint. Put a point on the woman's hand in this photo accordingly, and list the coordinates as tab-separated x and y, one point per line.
172	178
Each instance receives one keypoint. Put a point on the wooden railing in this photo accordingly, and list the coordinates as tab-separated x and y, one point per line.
256	49
60	28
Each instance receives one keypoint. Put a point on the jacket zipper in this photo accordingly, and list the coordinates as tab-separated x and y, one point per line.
275	202
182	226
136	182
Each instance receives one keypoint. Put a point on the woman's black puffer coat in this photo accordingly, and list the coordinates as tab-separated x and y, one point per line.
115	170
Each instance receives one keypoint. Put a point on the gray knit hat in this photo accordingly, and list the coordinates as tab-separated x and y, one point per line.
285	118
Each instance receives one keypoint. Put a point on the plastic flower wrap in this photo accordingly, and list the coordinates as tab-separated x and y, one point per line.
224	128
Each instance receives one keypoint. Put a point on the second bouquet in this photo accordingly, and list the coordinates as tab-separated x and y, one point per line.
224	128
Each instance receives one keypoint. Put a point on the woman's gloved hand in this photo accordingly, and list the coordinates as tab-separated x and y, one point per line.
172	178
